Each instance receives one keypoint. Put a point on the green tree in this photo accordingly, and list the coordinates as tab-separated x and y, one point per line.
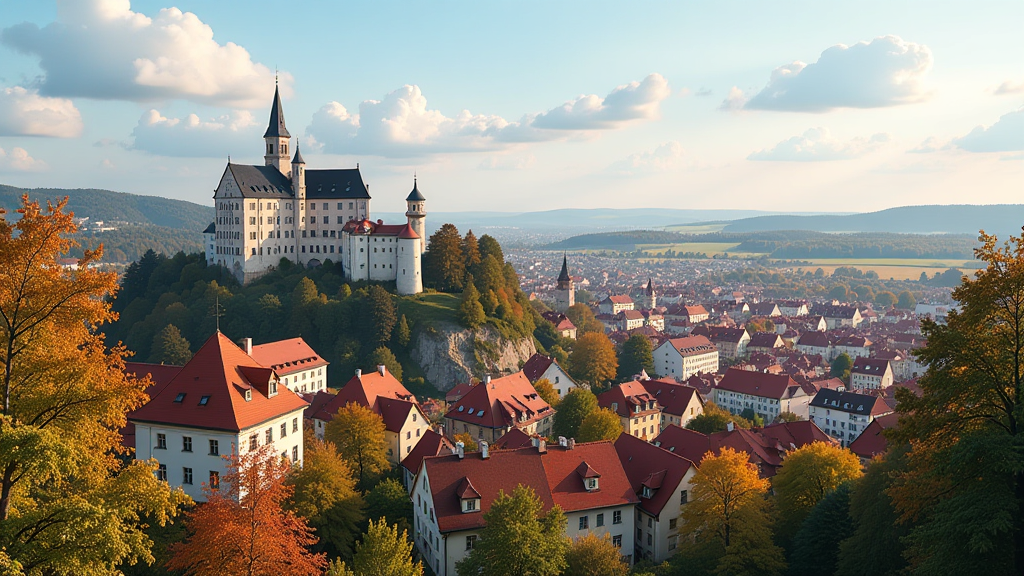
383	356
965	476
443	265
636	355
546	391
841	367
559	355
359	435
470	251
906	301
170	347
325	495
383	315
809	474
471	312
572	410
816	545
594	556
582	317
864	293
402	333
715	419
876	546
885	299
839	292
788	417
518	539
390	501
601	424
593	359
490	247
384	551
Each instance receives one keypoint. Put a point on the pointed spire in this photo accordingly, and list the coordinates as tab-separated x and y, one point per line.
650	286
563	276
276	128
415	195
298	155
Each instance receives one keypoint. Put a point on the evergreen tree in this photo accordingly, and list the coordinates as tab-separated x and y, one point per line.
471	312
518	539
816	546
470	252
636	355
383	315
383	356
490	277
876	545
170	347
490	247
402	333
444	266
389	501
572	410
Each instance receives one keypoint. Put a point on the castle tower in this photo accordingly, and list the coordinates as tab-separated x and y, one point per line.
298	167
277	138
565	293
417	213
650	297
408	279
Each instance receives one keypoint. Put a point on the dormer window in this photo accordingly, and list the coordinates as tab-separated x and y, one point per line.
591	484
179	398
248	395
272	387
469	498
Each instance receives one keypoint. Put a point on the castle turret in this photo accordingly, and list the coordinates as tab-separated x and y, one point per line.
565	293
277	138
417	213
299	175
407	277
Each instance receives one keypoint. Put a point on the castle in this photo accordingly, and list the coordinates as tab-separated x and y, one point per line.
282	210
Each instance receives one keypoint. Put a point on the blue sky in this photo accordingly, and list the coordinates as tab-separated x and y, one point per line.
514	106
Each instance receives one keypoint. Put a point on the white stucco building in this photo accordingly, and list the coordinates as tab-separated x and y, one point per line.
681	358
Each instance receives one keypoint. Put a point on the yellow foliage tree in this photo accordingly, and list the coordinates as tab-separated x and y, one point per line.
360	437
546	391
808	474
593	359
601	424
594	556
68	502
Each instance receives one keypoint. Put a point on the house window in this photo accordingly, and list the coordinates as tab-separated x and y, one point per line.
253	442
295	424
584	522
295	453
161	441
161	472
186	475
186	443
284	429
649	539
683	497
470	542
617	541
600	520
214	480
617	517
639	534
672	523
214	448
270	435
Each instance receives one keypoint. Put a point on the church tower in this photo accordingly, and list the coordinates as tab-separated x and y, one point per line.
565	293
417	213
649	299
277	138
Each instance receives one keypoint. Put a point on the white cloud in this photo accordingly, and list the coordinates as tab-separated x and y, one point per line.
817	144
734	100
18	160
25	113
930	144
887	71
508	162
193	137
1006	135
402	125
1010	87
102	49
665	157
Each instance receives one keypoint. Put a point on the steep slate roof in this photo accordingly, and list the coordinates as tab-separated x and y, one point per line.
287	356
212	228
563	276
430	444
298	156
672	396
552	474
222	371
860	404
343	183
501	403
765	340
365	389
720	333
871	441
415	195
626	397
648	465
276	126
262	181
814	338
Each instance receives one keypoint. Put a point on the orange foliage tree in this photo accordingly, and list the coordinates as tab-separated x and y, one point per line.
243	527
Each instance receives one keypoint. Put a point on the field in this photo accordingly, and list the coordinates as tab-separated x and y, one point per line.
895	268
709	248
429	307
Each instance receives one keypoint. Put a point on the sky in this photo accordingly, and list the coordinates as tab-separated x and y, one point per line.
529	105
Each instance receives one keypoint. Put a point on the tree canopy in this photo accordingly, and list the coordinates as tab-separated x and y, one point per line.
324	493
808	475
572	411
637	355
592	555
593	359
601	424
359	435
715	419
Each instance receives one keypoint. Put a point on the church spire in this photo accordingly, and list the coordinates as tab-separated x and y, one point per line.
563	276
276	128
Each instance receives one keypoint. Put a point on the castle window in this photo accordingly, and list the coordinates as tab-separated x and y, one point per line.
270	148
303	249
332	248
312	205
339	208
303	233
253	251
339	220
312	219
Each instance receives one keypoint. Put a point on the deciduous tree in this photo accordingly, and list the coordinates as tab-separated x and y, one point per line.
591	555
572	410
582	317
243	527
469	444
324	493
390	501
601	424
906	300
808	475
876	546
384	551
593	359
546	391
360	437
841	367
68	503
518	538
637	355
885	299
715	419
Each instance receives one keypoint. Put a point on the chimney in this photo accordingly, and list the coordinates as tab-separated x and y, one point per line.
358	372
570	444
485	451
247	344
730	426
535	440
542	446
381	369
487	379
460	450
562	441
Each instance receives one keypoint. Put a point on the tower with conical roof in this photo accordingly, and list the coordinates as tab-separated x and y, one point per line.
417	213
277	138
565	292
648	298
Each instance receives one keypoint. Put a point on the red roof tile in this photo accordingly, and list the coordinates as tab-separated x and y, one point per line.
756	383
648	465
365	389
430	444
872	441
287	356
692	345
536	365
672	396
625	398
506	401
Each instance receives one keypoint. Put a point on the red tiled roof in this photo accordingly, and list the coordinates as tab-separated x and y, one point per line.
394	412
697	310
872	441
870	366
648	465
765	340
408	232
756	383
500	403
161	375
458	391
620	299
814	338
430	444
720	333
287	356
692	345
626	397
535	366
687	443
218	370
365	389
672	396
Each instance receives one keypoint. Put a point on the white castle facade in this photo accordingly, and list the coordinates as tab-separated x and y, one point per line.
282	210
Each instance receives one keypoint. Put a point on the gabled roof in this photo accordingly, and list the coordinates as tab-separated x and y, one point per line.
366	389
430	444
514	438
508	401
813	338
647	465
620	299
765	340
276	126
211	229
691	345
721	334
757	383
672	396
395	412
870	366
287	356
261	181
535	367
466	489
872	441
222	372
458	391
851	402
626	397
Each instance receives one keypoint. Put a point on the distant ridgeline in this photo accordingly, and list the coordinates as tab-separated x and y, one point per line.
788	244
132	223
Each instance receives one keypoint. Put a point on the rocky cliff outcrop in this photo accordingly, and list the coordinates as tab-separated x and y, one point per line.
450	354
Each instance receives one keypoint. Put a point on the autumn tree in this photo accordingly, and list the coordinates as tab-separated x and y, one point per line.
383	315
572	410
69	504
885	299
471	312
591	555
601	424
593	359
243	528
383	356
808	475
324	493
637	355
470	251
715	419
359	435
443	265
518	538
727	514
964	483
170	347
841	367
469	444
582	317
546	391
